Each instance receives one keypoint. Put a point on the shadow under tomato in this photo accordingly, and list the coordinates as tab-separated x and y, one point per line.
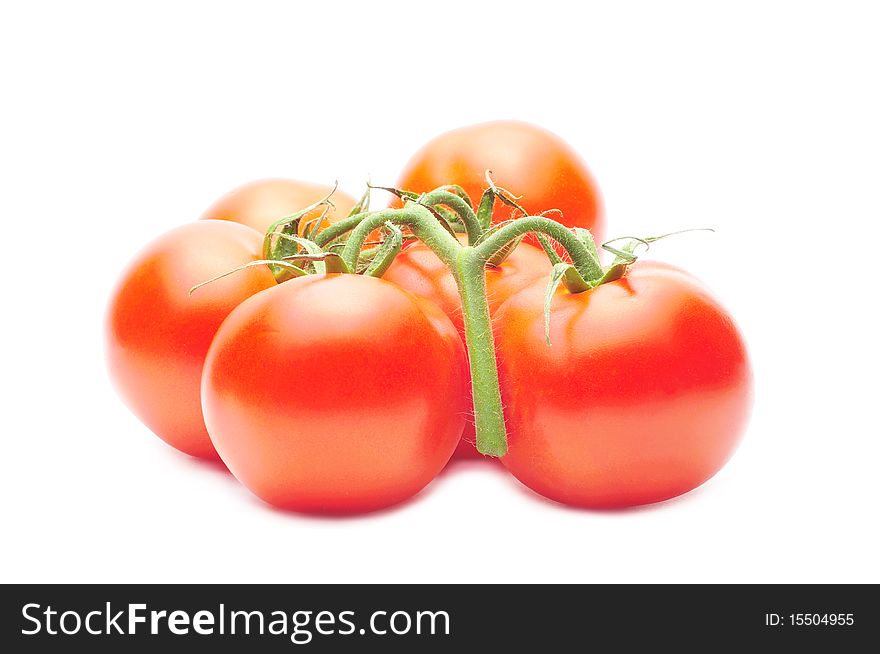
332	515
453	467
524	490
458	464
214	465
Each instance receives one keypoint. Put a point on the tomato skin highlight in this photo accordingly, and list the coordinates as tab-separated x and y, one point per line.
642	396
260	203
418	270
525	159
337	393
157	334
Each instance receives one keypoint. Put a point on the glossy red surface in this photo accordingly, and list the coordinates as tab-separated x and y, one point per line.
419	271
157	334
643	394
527	160
337	393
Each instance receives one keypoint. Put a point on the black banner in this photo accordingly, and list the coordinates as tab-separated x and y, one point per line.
252	618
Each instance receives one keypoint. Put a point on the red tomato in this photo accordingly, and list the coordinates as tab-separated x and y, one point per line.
642	396
158	334
336	393
259	204
525	159
418	270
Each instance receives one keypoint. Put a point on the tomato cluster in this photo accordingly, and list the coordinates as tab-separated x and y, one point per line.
335	358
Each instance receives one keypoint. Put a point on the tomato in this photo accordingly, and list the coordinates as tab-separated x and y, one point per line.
642	396
337	393
157	334
259	204
525	159
418	270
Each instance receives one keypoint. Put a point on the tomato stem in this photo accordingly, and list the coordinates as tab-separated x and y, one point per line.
337	229
584	261
385	253
461	208
417	217
467	264
457	190
470	275
468	268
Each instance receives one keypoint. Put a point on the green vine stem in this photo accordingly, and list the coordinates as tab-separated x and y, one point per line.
470	275
468	264
418	218
385	253
428	218
463	210
468	271
584	261
457	190
337	229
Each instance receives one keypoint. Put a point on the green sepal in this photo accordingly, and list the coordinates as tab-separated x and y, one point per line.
284	247
456	190
296	270
548	249
499	257
400	193
363	204
289	226
484	211
573	280
463	211
561	271
626	253
439	216
623	257
311	248
504	195
313	226
392	244
492	229
450	216
331	262
585	236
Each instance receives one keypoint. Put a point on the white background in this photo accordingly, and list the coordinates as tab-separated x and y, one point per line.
760	119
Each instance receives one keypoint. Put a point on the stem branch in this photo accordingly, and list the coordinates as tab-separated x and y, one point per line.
470	275
468	268
585	263
419	219
340	228
460	207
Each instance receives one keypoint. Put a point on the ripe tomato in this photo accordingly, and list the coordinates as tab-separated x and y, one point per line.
157	334
525	159
642	395
336	393
259	204
418	270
